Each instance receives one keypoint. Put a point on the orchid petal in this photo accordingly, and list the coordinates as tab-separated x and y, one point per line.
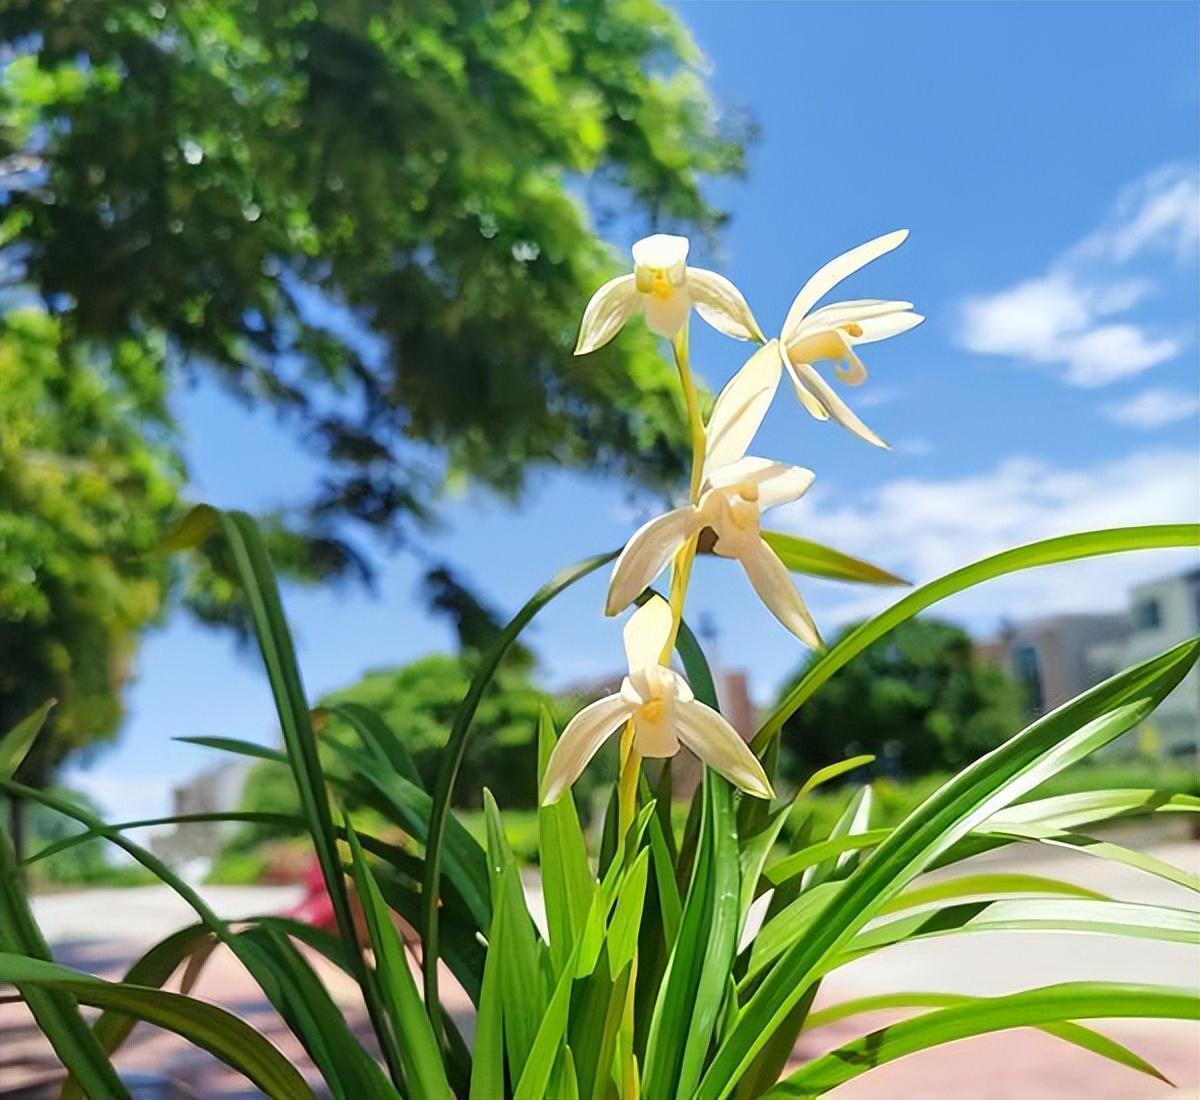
721	747
860	309
722	305
660	250
610	307
882	328
580	741
647	633
666	316
809	400
804	376
776	482
646	555
835	271
741	406
852	371
774	586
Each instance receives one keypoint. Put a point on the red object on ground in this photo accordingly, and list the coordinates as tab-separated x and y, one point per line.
316	907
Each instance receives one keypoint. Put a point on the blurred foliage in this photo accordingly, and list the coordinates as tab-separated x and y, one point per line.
376	219
372	216
918	699
86	483
418	702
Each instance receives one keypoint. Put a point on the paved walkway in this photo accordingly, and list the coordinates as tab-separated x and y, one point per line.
102	931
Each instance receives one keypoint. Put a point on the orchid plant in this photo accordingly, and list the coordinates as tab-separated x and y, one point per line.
672	962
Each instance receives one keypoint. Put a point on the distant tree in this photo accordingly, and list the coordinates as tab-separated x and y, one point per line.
418	701
919	699
86	485
371	216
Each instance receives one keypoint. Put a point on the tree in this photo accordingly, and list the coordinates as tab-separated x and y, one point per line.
369	216
372	217
918	699
418	702
87	482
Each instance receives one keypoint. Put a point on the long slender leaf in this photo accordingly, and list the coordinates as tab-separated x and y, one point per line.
805	556
54	1009
1073	1033
994	781
1111	918
985	886
1030	1008
1104	849
420	1054
567	883
1086	544
234	1042
1069	811
487	1066
16	743
152	969
452	757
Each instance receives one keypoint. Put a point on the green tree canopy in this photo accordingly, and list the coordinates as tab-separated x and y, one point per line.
86	484
375	218
919	699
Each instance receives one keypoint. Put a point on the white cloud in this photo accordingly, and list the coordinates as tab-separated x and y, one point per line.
925	527
1074	315
1155	408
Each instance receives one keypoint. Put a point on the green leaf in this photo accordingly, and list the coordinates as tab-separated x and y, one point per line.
54	1010
452	757
1087	544
379	736
833	771
487	1065
693	988
804	556
812	854
979	1016
1066	811
627	916
1114	918
1069	1032
855	820
152	969
522	982
258	584
420	1055
567	883
196	527
996	780
1103	849
16	743
235	1043
984	886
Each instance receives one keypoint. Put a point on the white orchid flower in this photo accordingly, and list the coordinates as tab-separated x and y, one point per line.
664	289
733	493
833	331
664	713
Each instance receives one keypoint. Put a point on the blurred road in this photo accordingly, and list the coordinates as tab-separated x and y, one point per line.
104	930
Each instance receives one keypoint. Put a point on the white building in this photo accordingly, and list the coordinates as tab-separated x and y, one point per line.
1162	613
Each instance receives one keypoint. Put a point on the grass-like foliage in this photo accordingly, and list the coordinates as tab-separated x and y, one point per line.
685	961
649	982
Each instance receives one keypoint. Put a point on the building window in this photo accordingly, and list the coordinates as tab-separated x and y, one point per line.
1028	671
1147	615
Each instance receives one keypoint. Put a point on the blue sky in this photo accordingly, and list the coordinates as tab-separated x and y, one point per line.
1044	157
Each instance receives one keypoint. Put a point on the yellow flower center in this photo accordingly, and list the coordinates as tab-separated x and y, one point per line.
854	328
652	712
